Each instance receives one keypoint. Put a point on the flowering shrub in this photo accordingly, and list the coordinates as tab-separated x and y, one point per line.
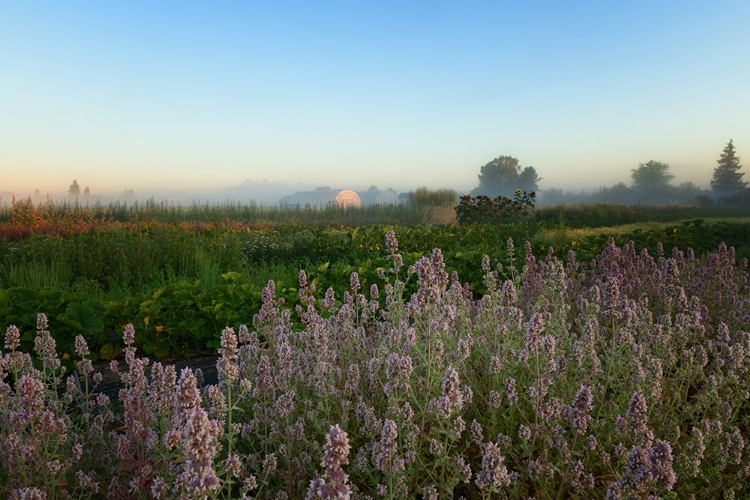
498	210
626	377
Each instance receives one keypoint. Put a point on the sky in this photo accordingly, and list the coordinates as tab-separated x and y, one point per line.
160	95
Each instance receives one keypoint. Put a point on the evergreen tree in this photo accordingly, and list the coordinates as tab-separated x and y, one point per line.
74	189
727	177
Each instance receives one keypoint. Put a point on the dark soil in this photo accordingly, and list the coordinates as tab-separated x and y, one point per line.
111	385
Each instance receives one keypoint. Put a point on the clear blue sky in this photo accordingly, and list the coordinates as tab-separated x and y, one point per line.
139	95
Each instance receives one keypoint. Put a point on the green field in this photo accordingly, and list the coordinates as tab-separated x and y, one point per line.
192	271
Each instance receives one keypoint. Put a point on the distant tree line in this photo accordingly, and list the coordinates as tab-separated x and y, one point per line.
651	183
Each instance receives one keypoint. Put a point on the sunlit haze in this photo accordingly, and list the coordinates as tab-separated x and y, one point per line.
201	97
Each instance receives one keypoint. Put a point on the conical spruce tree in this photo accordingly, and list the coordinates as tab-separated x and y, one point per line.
727	177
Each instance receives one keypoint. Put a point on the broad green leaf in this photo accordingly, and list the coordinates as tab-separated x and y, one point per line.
82	318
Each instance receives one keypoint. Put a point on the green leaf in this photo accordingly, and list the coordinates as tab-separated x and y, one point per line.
234	276
4	296
161	351
109	351
82	318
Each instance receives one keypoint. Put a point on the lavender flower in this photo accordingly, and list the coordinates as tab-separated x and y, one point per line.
534	329
451	400
41	322
128	334
398	370
386	449
477	434
494	473
82	349
45	345
660	458
227	363
524	432
285	404
198	438
201	444
354	282
510	390
264	384
430	493
391	242
637	413
578	413
645	468
333	485
12	338
233	465
28	493
31	392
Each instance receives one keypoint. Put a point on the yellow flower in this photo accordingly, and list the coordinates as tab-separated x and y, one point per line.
146	320
159	329
518	191
66	356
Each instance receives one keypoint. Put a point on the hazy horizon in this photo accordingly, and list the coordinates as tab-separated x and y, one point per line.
198	98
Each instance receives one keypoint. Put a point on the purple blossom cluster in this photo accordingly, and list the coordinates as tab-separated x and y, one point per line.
623	377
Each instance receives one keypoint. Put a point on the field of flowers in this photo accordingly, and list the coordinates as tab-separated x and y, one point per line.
623	376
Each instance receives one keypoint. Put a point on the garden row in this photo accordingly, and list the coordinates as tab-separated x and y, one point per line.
623	377
21	218
182	284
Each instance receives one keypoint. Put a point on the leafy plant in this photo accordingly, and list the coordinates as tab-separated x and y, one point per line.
499	210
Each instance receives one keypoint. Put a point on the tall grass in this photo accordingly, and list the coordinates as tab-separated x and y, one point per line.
56	272
67	213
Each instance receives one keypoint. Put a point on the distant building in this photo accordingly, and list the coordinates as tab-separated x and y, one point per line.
323	197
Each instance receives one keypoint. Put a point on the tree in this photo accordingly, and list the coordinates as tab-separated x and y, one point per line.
529	180
503	175
620	193
74	189
87	191
727	178
652	181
